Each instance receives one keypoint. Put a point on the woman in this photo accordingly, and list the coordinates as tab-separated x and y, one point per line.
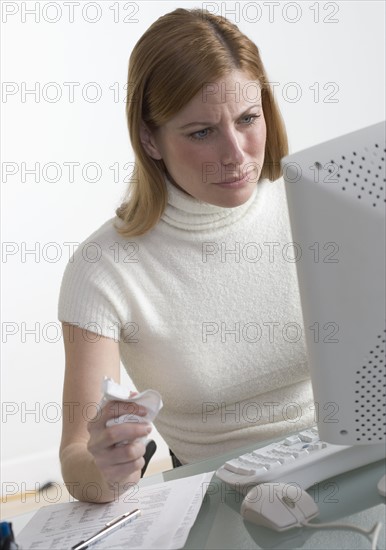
188	285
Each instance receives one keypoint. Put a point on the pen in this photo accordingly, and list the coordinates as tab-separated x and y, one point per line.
109	527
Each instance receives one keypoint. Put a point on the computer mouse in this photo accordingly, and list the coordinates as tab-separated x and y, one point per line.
382	486
279	506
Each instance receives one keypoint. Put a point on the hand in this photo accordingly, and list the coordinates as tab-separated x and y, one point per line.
119	463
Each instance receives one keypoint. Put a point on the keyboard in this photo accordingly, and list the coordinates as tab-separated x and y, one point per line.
301	459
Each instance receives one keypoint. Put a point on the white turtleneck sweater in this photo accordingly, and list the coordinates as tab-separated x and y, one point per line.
206	309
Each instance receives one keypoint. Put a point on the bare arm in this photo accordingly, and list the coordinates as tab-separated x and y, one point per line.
94	468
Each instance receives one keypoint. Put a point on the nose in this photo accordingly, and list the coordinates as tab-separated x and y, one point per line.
231	150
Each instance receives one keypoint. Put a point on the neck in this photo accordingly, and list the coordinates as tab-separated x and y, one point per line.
185	212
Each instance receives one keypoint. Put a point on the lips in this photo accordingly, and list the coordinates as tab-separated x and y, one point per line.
235	179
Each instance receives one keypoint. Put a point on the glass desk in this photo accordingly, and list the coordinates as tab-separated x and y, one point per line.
349	498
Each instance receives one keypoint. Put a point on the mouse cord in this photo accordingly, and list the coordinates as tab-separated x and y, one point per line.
373	533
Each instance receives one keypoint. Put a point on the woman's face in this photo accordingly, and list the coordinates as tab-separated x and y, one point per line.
213	148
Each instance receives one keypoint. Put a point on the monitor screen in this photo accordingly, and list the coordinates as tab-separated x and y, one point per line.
336	202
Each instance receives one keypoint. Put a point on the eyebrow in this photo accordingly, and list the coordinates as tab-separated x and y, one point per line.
211	123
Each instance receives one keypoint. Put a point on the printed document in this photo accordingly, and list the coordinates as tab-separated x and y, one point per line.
168	511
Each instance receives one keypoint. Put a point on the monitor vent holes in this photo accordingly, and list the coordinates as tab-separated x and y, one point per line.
361	173
370	395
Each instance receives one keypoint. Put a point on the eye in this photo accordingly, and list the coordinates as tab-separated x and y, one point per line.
201	134
250	119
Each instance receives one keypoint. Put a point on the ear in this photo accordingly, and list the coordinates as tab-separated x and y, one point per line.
148	142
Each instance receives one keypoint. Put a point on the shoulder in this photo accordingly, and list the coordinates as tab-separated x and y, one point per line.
93	263
91	290
98	243
104	250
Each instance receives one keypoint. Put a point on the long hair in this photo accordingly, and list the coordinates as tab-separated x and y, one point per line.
171	62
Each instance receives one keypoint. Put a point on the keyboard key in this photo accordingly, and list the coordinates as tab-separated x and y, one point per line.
291	440
238	467
308	437
233	465
315	447
294	458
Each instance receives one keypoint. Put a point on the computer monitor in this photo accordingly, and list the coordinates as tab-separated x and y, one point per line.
336	201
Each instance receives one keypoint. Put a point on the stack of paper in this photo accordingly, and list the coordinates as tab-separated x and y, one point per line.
168	511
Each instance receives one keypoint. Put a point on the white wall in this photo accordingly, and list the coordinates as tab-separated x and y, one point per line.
304	51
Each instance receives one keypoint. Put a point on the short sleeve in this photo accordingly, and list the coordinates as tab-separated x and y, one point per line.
90	295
